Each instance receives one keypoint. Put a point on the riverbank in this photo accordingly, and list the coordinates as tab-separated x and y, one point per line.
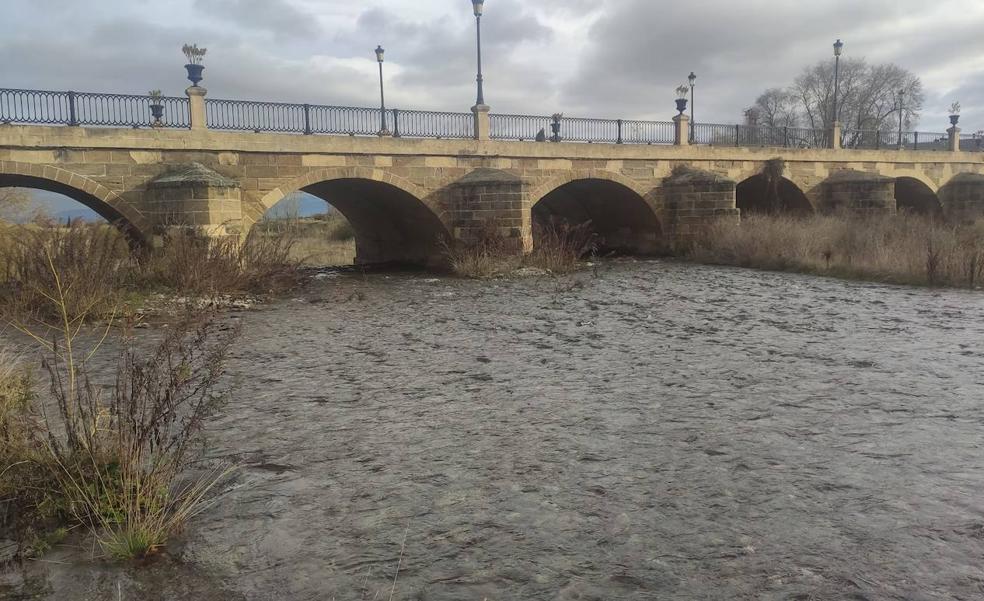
900	249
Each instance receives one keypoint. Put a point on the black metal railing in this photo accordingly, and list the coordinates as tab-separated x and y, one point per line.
519	127
580	129
88	108
128	110
877	140
648	132
714	134
433	124
244	115
972	142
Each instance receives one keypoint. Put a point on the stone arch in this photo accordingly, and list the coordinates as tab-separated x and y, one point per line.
914	195
108	204
335	173
535	194
394	220
751	196
918	176
616	207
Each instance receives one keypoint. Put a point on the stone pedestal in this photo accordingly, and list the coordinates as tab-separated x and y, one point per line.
954	133
858	192
835	136
681	135
196	106
483	122
193	196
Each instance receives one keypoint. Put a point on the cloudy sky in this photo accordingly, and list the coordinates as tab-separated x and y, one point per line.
599	58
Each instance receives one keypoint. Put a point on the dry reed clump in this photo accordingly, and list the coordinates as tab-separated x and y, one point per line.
559	248
487	255
92	262
902	249
190	263
114	463
98	270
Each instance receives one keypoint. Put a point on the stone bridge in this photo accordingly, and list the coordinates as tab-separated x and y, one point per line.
403	196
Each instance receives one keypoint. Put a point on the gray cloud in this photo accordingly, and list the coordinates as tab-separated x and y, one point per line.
606	58
640	50
277	17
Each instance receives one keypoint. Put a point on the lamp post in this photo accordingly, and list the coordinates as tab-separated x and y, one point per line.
838	48
383	130
477	5
693	80
901	114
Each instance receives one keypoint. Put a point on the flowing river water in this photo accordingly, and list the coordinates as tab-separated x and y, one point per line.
642	430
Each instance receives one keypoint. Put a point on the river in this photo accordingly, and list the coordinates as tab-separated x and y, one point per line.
640	430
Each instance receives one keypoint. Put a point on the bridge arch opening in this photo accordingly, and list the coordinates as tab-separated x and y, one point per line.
621	219
914	197
26	198
753	197
353	220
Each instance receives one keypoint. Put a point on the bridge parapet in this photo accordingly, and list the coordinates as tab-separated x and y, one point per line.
198	112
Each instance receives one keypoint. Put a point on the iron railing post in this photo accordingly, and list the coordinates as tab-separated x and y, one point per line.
619	141
396	123
737	136
307	119
72	118
878	140
915	140
785	136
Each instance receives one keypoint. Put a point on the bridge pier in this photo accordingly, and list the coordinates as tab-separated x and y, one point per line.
963	197
490	198
694	200
866	194
193	196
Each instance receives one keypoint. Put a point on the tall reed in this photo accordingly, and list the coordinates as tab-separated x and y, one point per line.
902	249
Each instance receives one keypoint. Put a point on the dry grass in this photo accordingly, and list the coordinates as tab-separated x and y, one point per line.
559	248
487	255
189	263
92	261
114	463
320	241
903	249
99	272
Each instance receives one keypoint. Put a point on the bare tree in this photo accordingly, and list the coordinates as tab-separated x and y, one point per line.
15	205
868	98
777	108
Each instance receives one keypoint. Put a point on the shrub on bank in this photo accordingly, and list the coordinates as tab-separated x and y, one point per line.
114	463
902	249
559	248
97	271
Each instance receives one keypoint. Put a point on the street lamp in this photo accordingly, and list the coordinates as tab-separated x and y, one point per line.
838	48
693	80
383	130
901	113
477	5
